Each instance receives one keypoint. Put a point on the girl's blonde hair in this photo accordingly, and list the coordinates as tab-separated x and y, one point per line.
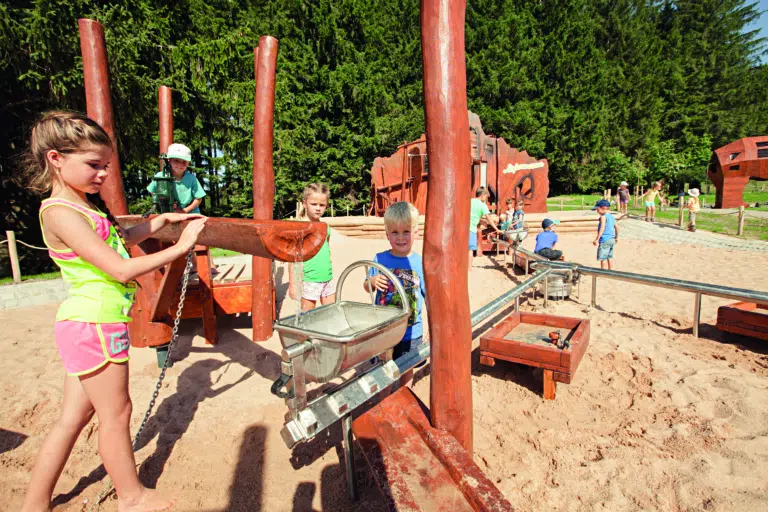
65	132
401	213
316	188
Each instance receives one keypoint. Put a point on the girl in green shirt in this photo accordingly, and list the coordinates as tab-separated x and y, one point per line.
318	282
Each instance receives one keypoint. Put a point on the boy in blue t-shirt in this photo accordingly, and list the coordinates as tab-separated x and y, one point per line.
401	225
189	193
607	234
546	240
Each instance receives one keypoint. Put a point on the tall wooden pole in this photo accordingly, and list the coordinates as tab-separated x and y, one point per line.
265	66
165	111
99	107
447	220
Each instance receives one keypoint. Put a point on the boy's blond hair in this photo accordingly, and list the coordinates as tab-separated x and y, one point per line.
400	214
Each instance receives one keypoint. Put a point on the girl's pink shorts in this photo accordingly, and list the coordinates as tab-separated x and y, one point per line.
86	347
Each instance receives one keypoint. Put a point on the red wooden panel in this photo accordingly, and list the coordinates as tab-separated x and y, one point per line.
524	351
418	467
527	362
549	320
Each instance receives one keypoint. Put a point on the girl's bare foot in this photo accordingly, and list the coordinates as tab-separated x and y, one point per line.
149	501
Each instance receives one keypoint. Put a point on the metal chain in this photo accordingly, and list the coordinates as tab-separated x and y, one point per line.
174	336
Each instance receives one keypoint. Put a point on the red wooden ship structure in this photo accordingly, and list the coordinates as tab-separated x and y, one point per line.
507	172
733	165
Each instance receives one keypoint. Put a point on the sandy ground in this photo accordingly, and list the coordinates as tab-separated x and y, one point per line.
654	419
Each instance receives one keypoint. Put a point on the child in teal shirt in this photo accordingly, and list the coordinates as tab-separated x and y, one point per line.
188	191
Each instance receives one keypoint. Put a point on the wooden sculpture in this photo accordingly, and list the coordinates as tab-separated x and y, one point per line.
733	165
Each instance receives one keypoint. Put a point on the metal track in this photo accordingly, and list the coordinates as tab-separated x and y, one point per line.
698	289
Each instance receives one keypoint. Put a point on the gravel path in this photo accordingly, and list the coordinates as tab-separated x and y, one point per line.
641	230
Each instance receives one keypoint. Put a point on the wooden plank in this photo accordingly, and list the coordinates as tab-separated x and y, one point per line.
233	298
160	302
418	467
550	386
526	362
744	331
205	290
234	273
562	322
224	269
524	351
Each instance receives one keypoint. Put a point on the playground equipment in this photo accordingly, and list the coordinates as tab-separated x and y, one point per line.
745	318
698	289
507	172
525	338
733	165
265	240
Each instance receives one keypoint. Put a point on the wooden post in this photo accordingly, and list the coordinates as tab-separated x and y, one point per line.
550	386
347	210
740	231
99	107
561	204
14	255
582	202
446	234
680	213
332	213
165	112
265	67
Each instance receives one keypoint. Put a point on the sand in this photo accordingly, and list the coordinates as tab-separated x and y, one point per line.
654	419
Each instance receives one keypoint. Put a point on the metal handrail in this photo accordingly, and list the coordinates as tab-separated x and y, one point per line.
485	311
698	289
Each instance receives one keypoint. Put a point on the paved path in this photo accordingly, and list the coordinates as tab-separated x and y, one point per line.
641	230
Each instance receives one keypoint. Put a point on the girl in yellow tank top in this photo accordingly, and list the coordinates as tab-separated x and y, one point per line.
69	156
650	201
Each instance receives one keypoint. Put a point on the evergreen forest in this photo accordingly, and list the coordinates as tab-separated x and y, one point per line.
604	89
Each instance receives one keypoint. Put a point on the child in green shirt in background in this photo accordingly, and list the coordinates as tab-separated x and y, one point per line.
318	272
189	193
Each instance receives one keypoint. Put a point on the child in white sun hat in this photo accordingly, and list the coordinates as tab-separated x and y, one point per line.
693	208
623	201
189	193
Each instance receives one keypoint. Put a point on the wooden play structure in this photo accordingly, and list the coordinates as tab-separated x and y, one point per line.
507	172
744	318
733	165
233	290
554	343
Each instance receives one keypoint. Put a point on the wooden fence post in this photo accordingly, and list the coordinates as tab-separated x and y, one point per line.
740	232
332	214
14	255
561	204
582	202
680	213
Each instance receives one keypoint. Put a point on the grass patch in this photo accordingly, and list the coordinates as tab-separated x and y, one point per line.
220	253
45	276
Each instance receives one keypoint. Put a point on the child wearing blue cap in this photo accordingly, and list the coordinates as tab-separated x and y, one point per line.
546	240
607	234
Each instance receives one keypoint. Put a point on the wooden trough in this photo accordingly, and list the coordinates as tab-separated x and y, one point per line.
418	467
745	318
523	338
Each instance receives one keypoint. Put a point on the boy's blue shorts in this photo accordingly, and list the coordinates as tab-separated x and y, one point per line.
472	241
605	250
406	346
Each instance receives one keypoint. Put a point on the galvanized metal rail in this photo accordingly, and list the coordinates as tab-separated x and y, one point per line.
698	289
513	294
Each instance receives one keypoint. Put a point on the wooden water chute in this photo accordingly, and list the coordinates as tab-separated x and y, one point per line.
157	295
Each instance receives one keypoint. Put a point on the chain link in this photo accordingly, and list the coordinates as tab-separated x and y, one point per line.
174	336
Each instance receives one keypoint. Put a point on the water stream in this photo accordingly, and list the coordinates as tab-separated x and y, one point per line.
298	279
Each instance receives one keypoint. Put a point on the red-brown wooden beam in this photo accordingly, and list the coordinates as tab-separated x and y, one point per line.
99	107
278	240
447	221
165	113
265	67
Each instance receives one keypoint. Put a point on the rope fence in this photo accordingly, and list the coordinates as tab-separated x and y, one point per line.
13	253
